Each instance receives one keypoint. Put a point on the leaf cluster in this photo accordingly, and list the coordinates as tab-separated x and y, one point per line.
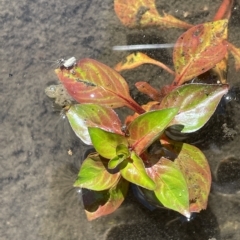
176	175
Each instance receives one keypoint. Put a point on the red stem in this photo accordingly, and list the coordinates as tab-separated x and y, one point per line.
224	10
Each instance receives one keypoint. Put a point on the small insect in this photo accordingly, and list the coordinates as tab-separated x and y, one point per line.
69	63
65	63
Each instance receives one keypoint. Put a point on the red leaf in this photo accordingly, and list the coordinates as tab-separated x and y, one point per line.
135	13
137	59
199	49
93	82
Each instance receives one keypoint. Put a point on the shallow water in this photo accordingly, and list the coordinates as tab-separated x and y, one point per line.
36	169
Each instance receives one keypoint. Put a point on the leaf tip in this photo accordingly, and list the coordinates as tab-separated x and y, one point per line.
187	214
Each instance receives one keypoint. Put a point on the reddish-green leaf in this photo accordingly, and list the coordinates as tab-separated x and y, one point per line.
105	202
93	82
105	142
143	13
94	174
146	128
236	54
137	59
196	103
194	166
171	186
133	170
199	49
82	116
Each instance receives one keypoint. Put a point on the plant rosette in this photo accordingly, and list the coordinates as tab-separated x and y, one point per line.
180	183
175	175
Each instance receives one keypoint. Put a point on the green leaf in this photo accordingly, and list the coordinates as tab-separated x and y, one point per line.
171	187
196	103
133	170
95	175
105	142
93	82
146	128
194	166
199	49
114	162
82	116
122	153
122	150
105	202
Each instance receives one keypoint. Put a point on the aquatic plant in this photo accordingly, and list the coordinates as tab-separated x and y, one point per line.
172	174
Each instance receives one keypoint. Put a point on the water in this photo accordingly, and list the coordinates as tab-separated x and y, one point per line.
37	200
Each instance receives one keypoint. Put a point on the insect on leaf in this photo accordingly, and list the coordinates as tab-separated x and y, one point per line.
93	82
143	13
199	49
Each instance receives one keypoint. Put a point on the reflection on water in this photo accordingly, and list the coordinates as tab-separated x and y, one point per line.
168	225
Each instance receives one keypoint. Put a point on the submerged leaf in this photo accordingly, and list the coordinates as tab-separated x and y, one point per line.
133	170
137	59
93	82
94	174
199	49
143	13
196	103
146	88
98	204
82	116
171	187
105	142
194	166
236	54
146	128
